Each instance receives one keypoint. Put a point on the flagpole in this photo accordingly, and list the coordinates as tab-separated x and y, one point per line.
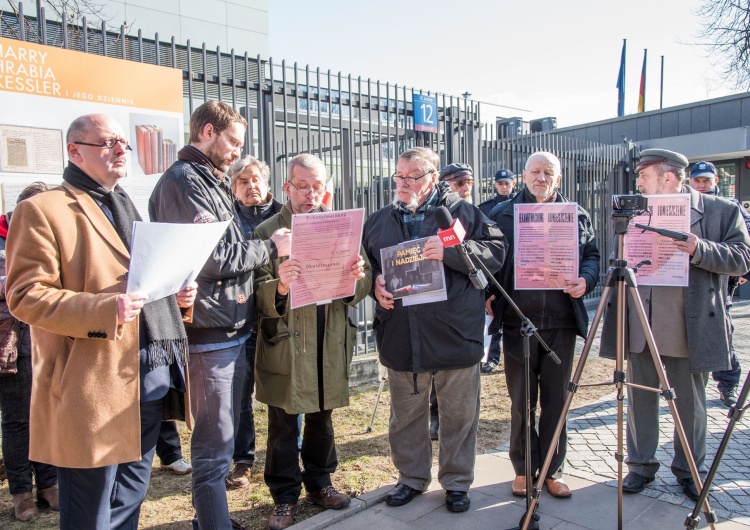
661	89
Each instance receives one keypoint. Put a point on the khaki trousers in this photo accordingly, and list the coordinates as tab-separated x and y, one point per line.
457	394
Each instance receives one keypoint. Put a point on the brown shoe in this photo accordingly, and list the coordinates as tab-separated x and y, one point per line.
49	497
329	498
558	488
282	516
519	486
240	476
24	506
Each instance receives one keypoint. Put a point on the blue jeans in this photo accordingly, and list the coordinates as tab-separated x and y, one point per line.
244	420
15	400
212	443
110	497
168	446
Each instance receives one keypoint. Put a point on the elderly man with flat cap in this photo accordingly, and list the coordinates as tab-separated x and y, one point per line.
703	178
690	324
460	178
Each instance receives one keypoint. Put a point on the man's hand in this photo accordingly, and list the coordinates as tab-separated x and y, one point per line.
129	307
576	288
433	249
358	268
186	297
689	245
384	298
282	238
488	306
289	271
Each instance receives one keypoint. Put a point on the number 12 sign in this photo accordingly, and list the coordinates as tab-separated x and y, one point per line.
425	113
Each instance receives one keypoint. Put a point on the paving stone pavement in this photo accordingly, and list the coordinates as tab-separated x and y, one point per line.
592	441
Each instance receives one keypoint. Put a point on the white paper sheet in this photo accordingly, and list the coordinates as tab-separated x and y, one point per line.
165	257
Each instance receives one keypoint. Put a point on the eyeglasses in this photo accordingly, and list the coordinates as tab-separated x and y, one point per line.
410	180
109	143
306	191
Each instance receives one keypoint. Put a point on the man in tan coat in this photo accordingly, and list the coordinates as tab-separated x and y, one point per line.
104	361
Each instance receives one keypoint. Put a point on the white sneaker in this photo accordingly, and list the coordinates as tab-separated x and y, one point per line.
180	467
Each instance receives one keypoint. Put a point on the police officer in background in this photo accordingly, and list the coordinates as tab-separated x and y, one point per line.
505	182
704	179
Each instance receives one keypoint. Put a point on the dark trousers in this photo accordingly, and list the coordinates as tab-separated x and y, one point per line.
493	353
15	400
548	389
244	420
168	444
282	474
110	497
728	379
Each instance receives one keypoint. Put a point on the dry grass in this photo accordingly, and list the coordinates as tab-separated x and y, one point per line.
364	462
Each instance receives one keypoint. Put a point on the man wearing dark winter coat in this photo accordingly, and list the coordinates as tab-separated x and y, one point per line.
439	341
559	316
690	324
194	190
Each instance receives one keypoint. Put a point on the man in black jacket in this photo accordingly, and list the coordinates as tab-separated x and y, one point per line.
250	179
194	190
419	344
559	316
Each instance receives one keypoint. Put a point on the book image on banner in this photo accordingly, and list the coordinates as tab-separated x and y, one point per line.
154	142
408	273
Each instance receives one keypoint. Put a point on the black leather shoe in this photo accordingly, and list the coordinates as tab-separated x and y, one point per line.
689	489
400	495
635	483
457	501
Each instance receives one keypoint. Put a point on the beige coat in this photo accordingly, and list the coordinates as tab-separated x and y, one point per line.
66	266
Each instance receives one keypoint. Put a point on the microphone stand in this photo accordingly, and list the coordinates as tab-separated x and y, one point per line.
527	331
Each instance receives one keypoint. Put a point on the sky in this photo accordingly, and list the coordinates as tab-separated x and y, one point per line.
552	57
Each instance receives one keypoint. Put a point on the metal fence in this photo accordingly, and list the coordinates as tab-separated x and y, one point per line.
357	126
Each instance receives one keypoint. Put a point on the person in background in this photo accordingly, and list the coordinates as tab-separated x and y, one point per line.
169	450
15	400
505	182
250	180
704	179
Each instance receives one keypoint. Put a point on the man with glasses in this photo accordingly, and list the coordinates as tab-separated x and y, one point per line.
105	362
419	344
302	359
460	178
195	190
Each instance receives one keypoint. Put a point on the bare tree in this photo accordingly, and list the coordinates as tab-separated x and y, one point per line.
726	35
74	12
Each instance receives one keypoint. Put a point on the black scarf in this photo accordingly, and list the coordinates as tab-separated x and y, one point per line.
166	341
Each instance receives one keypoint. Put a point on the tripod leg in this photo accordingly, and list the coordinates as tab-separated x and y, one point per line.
668	393
734	415
377	402
572	388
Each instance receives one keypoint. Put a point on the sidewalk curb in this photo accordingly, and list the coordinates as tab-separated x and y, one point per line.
327	518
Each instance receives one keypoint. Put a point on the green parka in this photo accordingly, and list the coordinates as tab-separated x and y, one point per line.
286	359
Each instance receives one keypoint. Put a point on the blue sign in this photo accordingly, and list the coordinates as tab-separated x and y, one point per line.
425	113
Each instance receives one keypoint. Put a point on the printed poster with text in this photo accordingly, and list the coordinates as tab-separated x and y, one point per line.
669	266
546	243
44	88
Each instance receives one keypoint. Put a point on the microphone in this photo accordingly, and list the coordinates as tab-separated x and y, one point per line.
451	233
677	236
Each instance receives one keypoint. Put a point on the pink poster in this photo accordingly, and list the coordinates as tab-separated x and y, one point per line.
668	266
327	244
546	243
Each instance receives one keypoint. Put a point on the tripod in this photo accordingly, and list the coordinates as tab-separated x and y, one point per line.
734	415
619	275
